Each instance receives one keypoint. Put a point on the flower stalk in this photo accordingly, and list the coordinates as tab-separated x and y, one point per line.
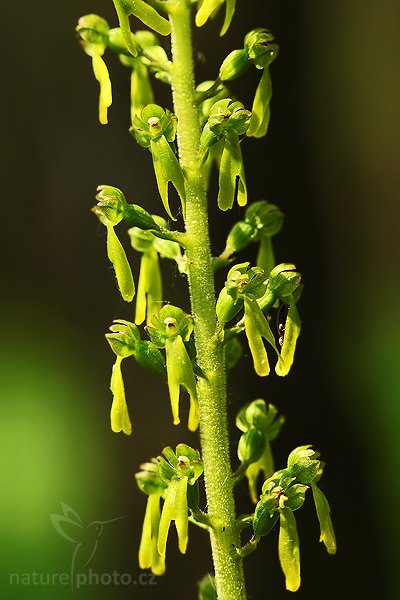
211	388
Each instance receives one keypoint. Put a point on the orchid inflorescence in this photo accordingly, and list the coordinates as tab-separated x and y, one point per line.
257	304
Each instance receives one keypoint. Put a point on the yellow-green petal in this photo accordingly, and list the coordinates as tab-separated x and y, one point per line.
323	513
105	98
123	273
289	549
260	110
149	557
149	291
292	332
120	420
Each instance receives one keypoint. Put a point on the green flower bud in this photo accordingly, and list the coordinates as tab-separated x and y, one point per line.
234	65
265	516
289	549
123	273
258	47
148	356
251	446
227	115
227	307
257	414
283	280
136	216
123	338
93	31
111	205
323	513
120	420
265	217
303	463
264	417
240	236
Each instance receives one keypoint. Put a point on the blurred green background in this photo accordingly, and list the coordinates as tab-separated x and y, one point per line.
331	162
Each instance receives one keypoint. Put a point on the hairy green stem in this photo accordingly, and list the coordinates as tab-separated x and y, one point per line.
211	388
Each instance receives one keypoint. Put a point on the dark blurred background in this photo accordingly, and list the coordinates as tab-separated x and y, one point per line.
330	162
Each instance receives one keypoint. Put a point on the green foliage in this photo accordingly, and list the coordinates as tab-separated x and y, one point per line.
194	352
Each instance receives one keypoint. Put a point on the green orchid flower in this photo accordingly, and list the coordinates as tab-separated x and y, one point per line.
258	415
180	469
156	130
261	53
93	31
170	329
227	120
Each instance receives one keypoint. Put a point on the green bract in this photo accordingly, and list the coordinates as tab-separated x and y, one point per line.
156	130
